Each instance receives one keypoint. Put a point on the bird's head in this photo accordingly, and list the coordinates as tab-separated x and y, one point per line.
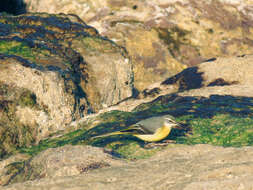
171	123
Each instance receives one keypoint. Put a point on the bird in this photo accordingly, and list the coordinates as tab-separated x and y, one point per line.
152	129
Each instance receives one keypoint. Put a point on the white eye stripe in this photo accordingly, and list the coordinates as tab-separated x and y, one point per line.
170	120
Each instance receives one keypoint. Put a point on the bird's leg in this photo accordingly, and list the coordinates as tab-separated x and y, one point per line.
169	141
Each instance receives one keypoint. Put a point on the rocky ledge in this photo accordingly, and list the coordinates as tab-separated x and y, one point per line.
177	168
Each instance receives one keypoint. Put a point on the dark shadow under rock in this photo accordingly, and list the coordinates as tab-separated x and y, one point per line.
14	7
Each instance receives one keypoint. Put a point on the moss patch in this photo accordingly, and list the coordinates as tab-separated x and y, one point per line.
221	130
13	134
23	49
13	170
218	120
97	44
15	48
27	99
132	150
174	38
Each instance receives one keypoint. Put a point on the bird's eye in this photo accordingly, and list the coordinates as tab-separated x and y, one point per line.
169	120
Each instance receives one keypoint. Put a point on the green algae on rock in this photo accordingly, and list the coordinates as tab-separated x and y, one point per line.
55	69
14	134
223	119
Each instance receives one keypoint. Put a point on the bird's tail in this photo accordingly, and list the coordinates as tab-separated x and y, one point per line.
111	134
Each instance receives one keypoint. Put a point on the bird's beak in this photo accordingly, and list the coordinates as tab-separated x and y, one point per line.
177	126
174	124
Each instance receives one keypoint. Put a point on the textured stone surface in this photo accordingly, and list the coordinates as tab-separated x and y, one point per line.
180	167
7	171
223	76
161	35
197	30
65	161
231	76
54	106
216	72
54	69
67	43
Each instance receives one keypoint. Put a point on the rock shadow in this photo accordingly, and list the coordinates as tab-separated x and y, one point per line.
201	107
177	106
189	78
15	7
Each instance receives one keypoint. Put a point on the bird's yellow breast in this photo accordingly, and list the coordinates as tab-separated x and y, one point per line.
160	134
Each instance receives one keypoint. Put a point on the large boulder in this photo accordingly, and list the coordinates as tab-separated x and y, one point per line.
163	37
55	69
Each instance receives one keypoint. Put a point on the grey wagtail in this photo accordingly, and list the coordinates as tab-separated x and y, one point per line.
151	130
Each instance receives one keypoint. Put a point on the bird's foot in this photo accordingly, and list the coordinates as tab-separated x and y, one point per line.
161	144
169	141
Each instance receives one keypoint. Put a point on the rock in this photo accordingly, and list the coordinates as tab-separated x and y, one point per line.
13	6
65	161
231	76
152	62
54	69
177	167
34	99
180	167
175	33
222	76
11	166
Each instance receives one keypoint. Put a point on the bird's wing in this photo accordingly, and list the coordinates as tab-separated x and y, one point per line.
131	130
136	129
151	124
